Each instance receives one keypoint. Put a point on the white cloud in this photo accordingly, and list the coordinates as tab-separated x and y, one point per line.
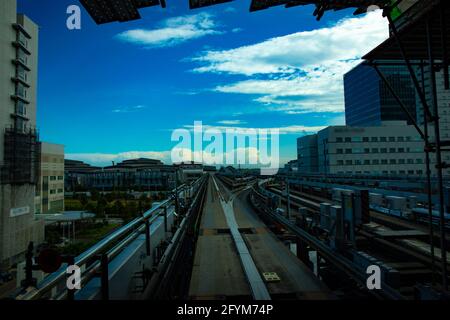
173	31
300	72
231	122
129	109
295	129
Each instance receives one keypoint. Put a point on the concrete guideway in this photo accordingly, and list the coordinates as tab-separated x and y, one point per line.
257	285
219	270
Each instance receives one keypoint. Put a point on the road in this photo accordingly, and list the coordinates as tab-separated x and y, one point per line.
220	273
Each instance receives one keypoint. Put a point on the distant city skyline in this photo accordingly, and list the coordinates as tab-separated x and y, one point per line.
117	91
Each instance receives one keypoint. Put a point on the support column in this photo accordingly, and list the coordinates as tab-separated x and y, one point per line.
439	165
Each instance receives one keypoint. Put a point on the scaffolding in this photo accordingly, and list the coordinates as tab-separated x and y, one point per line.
21	163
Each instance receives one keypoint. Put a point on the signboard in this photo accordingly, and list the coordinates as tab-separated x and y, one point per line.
15	212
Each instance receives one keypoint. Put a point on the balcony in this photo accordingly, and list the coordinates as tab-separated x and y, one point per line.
22	63
18	97
19	28
22	46
21	80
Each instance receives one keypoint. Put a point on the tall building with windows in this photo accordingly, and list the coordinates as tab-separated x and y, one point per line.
307	154
443	99
50	187
368	101
19	145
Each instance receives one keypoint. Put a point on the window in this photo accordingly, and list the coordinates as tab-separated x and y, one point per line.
367	162
358	162
410	161
401	150
21	73
374	150
392	161
392	150
348	151
419	161
339	151
375	162
419	172
383	150
60	177
400	139
22	39
20	108
338	139
22	57
340	162
384	161
21	91
383	139
356	139
401	161
374	139
391	139
358	151
19	125
348	162
410	171
348	139
365	139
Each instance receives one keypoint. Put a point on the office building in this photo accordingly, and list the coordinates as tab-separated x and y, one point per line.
368	102
135	174
19	145
443	99
77	175
50	187
307	154
392	149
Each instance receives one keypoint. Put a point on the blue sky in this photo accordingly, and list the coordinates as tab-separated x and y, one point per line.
117	91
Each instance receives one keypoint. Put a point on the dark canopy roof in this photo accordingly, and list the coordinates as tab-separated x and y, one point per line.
413	33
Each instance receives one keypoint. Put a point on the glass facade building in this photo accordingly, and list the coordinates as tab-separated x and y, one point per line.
368	102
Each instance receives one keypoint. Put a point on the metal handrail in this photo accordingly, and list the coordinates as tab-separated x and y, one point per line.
92	253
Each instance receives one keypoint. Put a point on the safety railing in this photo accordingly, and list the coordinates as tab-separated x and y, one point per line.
95	260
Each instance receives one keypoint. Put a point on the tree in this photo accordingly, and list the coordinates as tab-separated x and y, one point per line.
119	208
131	210
101	208
84	200
94	194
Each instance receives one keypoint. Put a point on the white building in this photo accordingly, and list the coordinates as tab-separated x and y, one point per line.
50	187
19	147
392	149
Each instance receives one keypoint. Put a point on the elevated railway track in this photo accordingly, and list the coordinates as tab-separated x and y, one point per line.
402	244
